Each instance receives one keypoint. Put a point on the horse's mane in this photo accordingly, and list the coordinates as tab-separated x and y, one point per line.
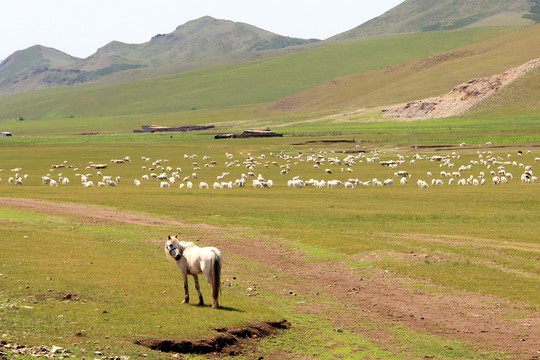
183	244
186	244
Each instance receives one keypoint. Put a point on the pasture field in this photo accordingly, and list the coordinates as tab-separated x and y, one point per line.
393	272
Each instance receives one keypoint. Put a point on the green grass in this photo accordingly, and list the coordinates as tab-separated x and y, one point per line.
185	97
427	77
482	239
124	287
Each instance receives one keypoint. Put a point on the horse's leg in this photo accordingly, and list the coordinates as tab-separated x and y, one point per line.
196	278
186	290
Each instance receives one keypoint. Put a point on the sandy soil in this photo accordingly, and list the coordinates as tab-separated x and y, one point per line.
373	295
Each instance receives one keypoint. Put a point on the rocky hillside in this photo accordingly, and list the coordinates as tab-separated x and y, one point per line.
413	16
202	39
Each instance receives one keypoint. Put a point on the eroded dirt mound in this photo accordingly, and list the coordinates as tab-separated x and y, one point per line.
222	342
462	98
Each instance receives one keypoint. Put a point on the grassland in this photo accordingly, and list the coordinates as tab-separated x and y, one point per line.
422	78
479	239
369	272
180	98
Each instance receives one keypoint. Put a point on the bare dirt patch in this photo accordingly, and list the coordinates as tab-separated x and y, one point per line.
462	98
373	295
227	341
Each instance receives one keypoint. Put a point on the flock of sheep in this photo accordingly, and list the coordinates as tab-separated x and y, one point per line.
491	168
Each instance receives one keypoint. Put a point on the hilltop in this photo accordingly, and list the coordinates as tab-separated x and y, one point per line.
23	68
203	38
198	40
414	16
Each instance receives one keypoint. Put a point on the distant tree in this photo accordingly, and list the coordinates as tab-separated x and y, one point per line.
21	118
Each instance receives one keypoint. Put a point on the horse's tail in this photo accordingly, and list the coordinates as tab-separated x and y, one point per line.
216	278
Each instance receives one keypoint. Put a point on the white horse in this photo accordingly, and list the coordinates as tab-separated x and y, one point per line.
193	260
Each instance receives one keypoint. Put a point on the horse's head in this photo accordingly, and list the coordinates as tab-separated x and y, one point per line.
172	248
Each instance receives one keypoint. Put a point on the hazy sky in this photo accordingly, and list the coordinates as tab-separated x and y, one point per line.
80	27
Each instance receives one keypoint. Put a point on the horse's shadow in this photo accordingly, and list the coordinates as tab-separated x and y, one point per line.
222	308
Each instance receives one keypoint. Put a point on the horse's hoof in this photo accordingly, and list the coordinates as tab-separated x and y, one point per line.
185	302
201	304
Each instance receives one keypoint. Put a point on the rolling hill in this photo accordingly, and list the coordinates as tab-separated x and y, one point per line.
202	39
418	79
208	42
235	85
413	16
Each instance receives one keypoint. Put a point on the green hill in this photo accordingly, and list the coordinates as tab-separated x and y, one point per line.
31	62
418	79
204	39
413	16
234	85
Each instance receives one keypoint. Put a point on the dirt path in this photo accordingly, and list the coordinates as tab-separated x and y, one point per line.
374	295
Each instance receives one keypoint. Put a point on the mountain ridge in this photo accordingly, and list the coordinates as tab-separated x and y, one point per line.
208	41
200	39
426	15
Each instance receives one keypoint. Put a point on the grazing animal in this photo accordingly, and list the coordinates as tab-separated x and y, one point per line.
193	260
